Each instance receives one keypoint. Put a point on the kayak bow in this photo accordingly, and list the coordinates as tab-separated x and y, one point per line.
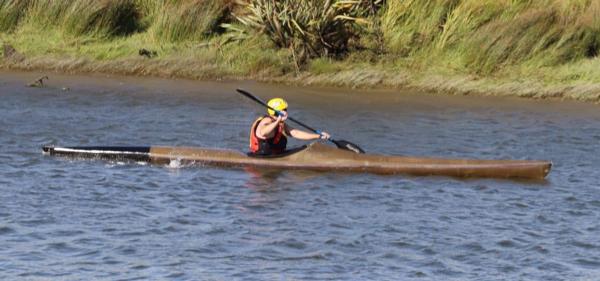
318	157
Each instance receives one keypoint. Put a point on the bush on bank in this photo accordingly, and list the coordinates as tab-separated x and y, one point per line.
310	28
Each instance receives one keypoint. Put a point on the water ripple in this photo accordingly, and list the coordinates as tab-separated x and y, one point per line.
73	219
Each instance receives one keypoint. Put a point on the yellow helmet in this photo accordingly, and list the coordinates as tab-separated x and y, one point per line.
278	104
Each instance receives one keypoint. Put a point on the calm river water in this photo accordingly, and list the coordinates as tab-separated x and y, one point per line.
65	219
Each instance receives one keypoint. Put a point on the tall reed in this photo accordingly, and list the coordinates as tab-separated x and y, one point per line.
11	12
47	13
561	32
409	25
189	20
101	17
485	36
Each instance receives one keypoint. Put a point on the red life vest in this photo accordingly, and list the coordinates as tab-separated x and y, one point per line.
274	145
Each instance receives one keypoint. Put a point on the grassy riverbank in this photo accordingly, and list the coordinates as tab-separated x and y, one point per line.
543	49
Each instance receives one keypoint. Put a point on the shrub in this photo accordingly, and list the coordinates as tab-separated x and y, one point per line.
310	28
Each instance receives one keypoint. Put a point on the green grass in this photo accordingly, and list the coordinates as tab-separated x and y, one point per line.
448	45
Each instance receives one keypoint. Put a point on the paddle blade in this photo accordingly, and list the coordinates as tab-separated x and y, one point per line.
346	145
252	97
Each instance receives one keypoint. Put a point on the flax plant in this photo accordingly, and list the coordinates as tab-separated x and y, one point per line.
310	28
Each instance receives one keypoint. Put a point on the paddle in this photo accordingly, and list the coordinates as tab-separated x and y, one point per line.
341	144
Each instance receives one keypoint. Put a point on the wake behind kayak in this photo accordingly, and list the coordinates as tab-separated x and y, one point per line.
317	157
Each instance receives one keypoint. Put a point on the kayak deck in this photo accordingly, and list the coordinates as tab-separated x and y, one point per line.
319	157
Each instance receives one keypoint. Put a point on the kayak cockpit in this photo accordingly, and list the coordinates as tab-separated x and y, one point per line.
284	154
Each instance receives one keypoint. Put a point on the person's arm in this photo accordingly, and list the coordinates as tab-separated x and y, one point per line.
303	135
267	127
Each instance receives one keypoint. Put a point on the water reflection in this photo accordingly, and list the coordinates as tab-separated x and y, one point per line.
272	180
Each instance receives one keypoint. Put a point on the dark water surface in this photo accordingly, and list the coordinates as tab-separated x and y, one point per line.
63	219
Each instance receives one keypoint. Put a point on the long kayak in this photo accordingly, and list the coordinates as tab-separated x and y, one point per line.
319	157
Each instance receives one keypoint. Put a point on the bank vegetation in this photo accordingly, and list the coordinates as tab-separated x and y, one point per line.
541	48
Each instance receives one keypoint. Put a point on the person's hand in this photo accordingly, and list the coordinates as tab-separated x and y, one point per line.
281	116
325	136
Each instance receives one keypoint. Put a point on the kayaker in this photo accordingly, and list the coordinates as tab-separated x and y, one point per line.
268	134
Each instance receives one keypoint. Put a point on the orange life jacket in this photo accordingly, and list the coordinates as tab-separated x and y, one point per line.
274	145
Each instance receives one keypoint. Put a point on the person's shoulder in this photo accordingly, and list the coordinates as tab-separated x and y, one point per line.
265	121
